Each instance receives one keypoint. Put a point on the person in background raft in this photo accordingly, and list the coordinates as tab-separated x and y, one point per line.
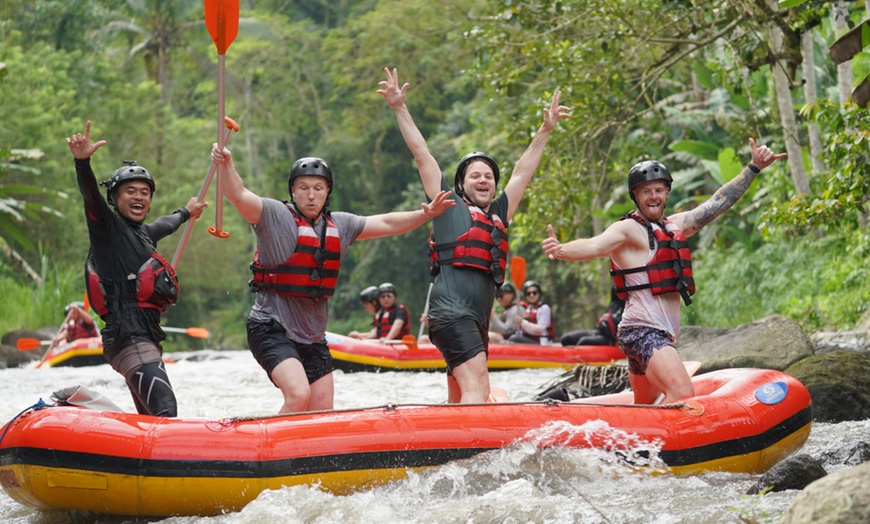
393	320
76	324
604	333
651	268
469	244
123	246
501	327
299	250
536	324
368	297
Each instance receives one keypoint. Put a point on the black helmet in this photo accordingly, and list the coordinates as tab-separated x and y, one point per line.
387	287
531	283
130	171
507	287
463	166
71	305
646	171
310	166
369	294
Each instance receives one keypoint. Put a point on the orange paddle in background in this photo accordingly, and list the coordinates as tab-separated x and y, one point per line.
518	272
222	22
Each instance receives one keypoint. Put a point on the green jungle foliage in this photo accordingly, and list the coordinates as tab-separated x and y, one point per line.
688	88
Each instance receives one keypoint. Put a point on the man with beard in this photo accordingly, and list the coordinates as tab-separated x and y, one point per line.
651	268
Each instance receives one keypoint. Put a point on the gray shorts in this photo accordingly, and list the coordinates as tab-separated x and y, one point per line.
134	356
638	344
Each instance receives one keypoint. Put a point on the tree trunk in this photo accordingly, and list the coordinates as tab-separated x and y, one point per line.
786	110
19	260
845	77
810	95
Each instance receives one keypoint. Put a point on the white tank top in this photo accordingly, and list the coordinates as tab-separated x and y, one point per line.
644	309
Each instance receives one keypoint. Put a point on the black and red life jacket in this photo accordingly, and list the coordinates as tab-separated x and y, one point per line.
77	329
669	271
312	269
156	287
384	321
484	246
531	314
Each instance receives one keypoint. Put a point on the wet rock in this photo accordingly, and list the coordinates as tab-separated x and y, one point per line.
839	383
857	340
795	472
839	498
11	356
850	455
774	342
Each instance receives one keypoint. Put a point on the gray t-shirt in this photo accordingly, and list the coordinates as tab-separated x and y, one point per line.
304	319
461	292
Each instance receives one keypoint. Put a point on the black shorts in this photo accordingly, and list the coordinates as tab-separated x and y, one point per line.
269	344
460	341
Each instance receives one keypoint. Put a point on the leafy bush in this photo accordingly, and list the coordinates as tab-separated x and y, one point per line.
821	283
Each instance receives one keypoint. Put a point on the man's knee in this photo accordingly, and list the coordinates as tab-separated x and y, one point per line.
150	385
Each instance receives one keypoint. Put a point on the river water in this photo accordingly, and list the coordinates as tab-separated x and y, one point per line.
516	485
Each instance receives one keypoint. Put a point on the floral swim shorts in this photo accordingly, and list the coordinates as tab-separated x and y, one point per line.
638	344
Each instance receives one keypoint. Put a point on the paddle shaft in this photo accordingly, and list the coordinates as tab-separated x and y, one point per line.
221	110
222	22
425	310
202	191
196	332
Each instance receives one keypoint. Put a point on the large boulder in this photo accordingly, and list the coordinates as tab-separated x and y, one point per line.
774	342
839	384
838	498
11	356
857	340
792	473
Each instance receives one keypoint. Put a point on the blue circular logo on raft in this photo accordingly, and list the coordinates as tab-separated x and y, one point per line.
772	392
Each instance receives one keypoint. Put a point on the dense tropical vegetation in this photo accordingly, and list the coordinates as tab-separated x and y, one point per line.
686	82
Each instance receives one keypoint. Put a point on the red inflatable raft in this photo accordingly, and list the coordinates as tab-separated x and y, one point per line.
742	420
350	354
80	352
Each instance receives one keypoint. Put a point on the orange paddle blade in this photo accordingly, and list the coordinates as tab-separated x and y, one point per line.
222	21
518	271
231	124
27	344
410	341
197	332
87	303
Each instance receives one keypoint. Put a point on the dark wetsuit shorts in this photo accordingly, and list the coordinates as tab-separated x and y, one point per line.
638	344
269	344
460	341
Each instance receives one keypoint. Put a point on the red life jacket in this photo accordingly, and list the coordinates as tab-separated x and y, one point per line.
312	269
670	269
384	322
531	314
77	329
484	246
156	286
